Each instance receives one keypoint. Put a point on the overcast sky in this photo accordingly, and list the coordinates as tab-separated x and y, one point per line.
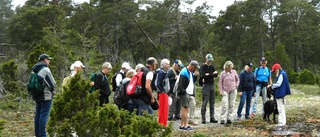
217	4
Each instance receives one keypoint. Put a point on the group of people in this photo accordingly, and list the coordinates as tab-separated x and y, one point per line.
175	88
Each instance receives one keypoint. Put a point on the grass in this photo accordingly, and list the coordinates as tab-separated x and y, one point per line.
302	110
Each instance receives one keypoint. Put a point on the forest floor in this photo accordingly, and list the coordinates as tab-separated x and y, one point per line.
302	111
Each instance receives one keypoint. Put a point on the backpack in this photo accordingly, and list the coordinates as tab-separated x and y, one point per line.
153	82
36	84
165	83
134	87
114	83
120	97
93	78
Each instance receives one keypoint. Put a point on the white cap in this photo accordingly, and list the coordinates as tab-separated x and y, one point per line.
78	64
125	65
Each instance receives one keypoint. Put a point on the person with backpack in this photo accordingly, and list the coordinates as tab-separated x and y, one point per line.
119	76
44	100
263	77
207	75
75	68
163	87
185	89
173	74
146	98
128	105
281	89
101	82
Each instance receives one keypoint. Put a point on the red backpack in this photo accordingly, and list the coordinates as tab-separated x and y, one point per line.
134	87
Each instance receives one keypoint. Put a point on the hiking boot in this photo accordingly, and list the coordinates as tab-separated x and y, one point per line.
229	121
192	122
171	118
213	120
222	122
177	117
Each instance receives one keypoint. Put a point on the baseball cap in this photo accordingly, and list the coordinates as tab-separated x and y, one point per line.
179	62
195	63
250	65
209	57
125	65
263	59
78	64
43	57
275	66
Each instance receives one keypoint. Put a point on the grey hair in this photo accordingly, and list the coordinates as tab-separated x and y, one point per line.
138	67
151	61
228	64
164	62
106	65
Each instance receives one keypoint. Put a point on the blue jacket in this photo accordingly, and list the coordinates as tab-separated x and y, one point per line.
247	81
284	88
184	80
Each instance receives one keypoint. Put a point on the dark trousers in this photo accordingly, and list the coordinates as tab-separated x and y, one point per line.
41	117
103	99
208	95
175	106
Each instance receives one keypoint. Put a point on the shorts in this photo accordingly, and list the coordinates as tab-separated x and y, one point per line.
185	99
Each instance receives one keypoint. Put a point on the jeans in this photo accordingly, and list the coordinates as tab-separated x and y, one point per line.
208	95
130	106
256	99
142	106
245	98
41	117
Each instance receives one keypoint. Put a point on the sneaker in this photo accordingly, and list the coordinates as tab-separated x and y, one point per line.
181	127
213	120
204	122
279	128
222	122
171	119
192	122
248	118
238	118
189	128
229	121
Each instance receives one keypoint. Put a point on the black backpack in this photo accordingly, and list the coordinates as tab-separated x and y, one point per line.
114	83
153	82
121	98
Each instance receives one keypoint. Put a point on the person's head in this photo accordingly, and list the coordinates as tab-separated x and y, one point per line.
106	68
193	65
228	65
209	58
165	64
77	66
131	73
138	67
125	67
178	64
152	63
263	62
45	58
248	67
276	68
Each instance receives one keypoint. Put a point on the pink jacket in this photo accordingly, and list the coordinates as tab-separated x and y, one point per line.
229	81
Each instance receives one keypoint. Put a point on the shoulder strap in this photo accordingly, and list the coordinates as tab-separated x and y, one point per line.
174	72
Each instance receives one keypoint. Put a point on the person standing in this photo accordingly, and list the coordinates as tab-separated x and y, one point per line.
208	72
121	74
228	84
101	82
281	89
263	76
76	67
130	106
185	90
162	84
246	89
43	101
146	98
173	74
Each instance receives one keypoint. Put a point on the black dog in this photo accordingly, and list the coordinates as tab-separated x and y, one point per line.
270	107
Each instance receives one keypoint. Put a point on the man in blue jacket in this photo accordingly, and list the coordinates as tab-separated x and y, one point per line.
281	89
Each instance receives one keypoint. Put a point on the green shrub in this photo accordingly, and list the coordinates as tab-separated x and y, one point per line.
77	111
306	77
292	76
1	126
